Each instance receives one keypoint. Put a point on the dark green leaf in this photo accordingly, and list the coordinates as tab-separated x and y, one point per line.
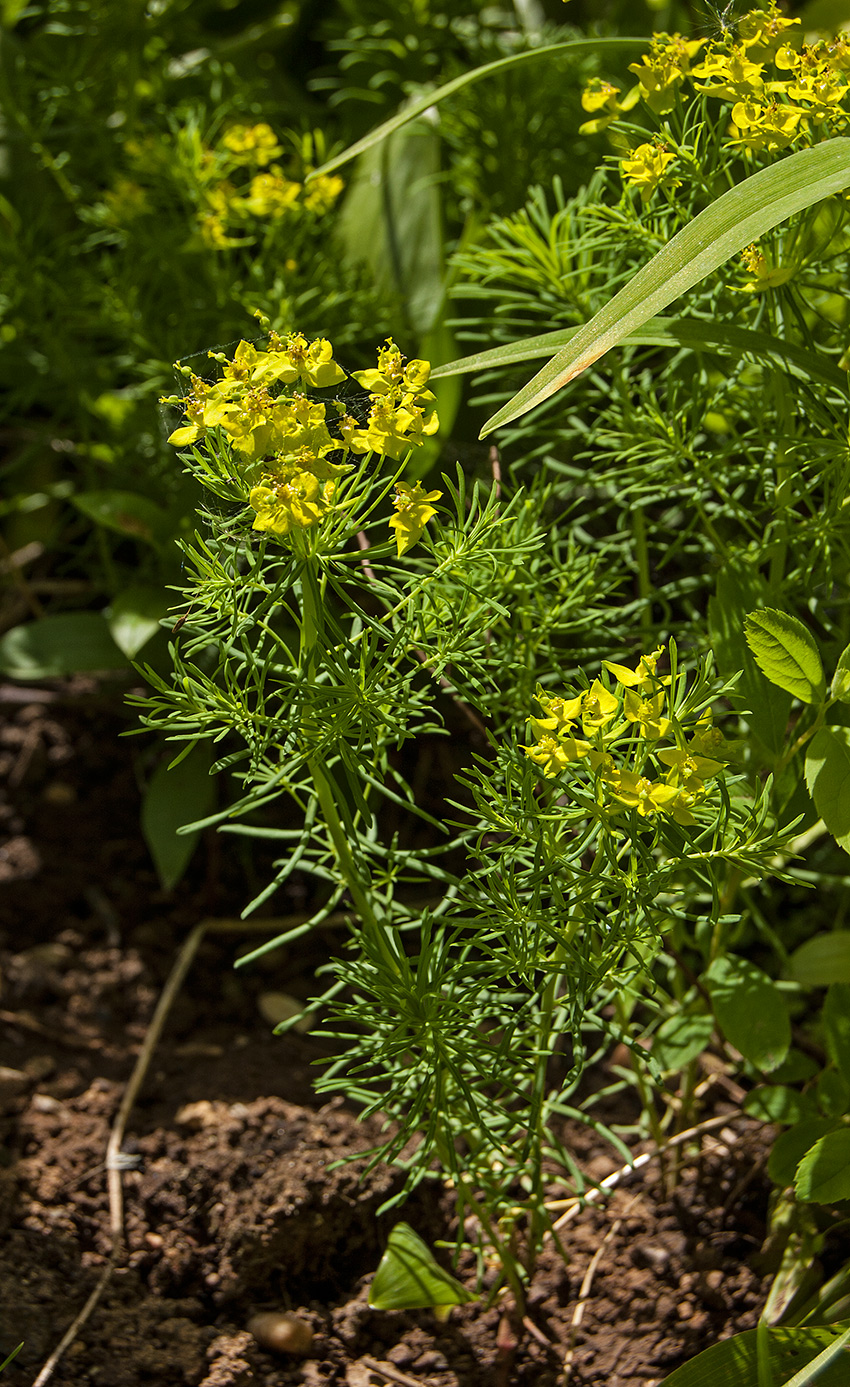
75	642
836	1025
750	1010
822	960
790	1148
177	796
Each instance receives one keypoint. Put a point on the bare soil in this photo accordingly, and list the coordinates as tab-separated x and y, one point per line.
233	1202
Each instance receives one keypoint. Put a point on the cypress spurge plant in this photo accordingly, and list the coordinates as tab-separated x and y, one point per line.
333	612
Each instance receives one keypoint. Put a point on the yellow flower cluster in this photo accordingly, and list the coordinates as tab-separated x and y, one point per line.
397	420
781	92
283	441
229	207
619	746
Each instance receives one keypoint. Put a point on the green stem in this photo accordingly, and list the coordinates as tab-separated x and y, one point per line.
644	581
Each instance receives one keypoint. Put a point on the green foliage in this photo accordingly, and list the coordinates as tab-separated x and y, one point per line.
409	1277
796	1358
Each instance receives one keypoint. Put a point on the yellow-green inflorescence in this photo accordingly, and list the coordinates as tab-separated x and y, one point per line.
780	91
622	742
292	448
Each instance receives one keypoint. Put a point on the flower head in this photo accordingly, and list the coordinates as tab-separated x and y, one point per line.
646	168
292	500
252	144
663	69
554	754
414	510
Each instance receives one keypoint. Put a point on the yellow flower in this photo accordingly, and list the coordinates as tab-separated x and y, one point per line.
560	713
311	362
645	169
731	75
321	193
765	127
554	755
394	378
646	712
602	100
390	429
663	69
760	31
252	144
765	275
414	511
292	501
598	707
271	194
644	677
648	797
688	768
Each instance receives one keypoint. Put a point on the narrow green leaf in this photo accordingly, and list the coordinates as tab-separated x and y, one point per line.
177	795
823	1174
828	779
697	333
735	220
786	653
575	47
822	960
75	642
817	1366
734	1362
750	1010
409	1277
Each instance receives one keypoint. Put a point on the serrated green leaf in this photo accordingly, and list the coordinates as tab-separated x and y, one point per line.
786	653
789	1149
734	221
734	1362
72	643
410	1278
828	780
177	795
751	1011
822	960
823	1174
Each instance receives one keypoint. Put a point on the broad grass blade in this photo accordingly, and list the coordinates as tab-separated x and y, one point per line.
735	220
695	333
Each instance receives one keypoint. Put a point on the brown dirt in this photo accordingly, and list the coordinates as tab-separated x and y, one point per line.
231	1207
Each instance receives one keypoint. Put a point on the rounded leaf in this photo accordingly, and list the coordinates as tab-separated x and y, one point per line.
786	653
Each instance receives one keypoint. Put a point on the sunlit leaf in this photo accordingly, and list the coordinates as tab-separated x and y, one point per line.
734	221
410	1278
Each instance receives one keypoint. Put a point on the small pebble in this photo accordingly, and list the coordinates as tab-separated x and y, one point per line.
281	1332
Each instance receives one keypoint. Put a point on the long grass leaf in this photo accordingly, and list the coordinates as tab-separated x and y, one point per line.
476	74
735	220
695	333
